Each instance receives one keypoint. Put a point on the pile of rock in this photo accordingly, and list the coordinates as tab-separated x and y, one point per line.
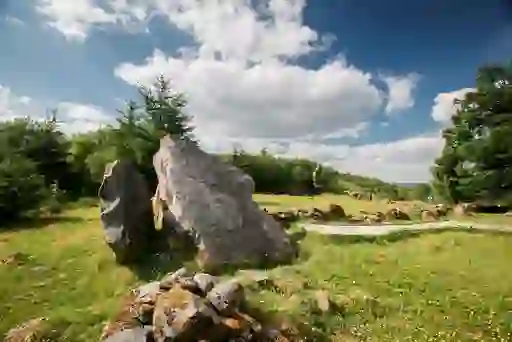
185	306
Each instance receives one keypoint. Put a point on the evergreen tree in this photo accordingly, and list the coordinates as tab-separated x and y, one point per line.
476	162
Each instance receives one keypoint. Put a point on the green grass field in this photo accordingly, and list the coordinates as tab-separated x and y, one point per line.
449	286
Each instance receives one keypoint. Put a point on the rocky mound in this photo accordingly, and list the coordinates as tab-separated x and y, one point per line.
187	307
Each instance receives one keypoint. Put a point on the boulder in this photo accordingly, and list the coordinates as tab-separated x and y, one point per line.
213	200
172	278
226	297
205	282
428	216
323	300
181	316
463	209
336	211
126	211
441	210
397	214
317	214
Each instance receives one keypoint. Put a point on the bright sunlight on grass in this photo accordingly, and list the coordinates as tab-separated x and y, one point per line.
451	286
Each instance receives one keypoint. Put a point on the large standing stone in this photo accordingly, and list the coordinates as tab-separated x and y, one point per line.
214	200
126	212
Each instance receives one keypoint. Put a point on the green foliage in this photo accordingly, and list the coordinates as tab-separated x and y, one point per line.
21	187
476	161
40	142
421	192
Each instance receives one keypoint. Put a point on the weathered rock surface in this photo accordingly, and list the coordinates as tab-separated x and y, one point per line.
151	313
336	211
397	214
126	212
32	330
463	209
214	200
428	216
226	297
205	282
138	334
181	316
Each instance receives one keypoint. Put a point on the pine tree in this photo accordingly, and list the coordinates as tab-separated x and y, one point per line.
164	110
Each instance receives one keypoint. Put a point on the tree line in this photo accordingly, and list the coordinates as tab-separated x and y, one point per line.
41	167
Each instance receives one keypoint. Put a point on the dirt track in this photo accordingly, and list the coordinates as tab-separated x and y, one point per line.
384	229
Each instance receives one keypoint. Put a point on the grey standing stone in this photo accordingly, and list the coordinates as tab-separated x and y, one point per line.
126	212
214	200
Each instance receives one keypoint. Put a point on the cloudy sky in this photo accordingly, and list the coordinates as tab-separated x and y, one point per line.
365	86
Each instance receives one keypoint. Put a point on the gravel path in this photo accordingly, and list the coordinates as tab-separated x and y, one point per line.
384	229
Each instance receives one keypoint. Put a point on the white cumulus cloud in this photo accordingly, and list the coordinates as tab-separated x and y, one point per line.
241	79
72	117
444	107
401	89
245	88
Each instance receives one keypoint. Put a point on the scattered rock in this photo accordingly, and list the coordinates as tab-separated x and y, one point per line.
397	214
147	293
28	331
379	217
428	216
214	200
126	211
126	317
336	211
226	297
16	259
463	209
181	316
170	279
323	300
441	210
189	284
317	214
205	282
130	335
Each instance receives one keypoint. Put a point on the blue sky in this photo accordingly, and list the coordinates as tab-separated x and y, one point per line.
365	86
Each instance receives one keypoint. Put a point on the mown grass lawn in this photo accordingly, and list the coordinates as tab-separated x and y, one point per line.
451	286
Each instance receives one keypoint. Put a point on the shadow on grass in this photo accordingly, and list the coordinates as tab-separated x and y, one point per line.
38	222
165	259
404	235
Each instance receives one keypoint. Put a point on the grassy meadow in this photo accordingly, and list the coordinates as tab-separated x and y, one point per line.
443	286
